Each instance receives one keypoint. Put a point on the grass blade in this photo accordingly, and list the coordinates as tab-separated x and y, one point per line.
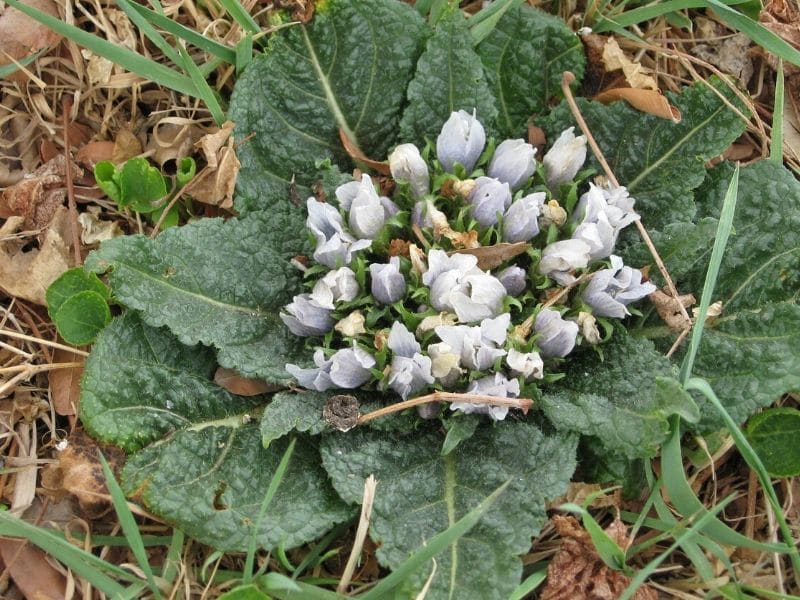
241	16
275	482
204	91
752	459
129	526
645	13
133	62
776	143
529	584
188	35
146	28
720	241
7	70
436	544
485	20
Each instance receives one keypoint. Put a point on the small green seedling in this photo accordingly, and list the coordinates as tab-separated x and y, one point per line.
136	184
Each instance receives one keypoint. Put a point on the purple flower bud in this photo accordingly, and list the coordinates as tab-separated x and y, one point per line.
388	284
514	279
461	141
366	214
556	336
565	158
350	367
513	163
336	286
498	386
521	221
407	164
611	290
489	198
304	317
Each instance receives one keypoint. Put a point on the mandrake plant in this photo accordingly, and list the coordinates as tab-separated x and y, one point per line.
406	313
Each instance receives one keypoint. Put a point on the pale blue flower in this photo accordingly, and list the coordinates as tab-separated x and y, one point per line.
565	158
611	290
339	285
407	164
478	346
461	141
513	163
521	220
366	214
528	365
496	385
601	215
489	199
318	378
555	335
410	370
388	283
514	279
335	246
350	367
420	215
304	317
560	258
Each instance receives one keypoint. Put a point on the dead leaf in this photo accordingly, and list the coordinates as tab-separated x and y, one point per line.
651	102
635	74
578	573
791	126
490	257
242	386
302	10
20	35
78	472
35	577
94	230
38	195
780	17
668	308
93	152
211	143
126	145
172	141
98	68
358	156
728	54
578	492
215	186
28	274
65	383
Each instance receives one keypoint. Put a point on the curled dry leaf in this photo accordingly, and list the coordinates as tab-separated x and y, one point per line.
242	386
651	102
358	156
126	145
728	54
95	230
490	257
65	383
38	195
668	308
211	143
33	574
578	573
635	74
215	185
28	274
78	472
172	141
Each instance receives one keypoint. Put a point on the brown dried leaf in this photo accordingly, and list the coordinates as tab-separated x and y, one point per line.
635	74
647	101
578	492
780	17
93	152
35	577
38	195
668	308
729	54
490	257
28	274
242	386
20	35
358	156
211	143
578	573
172	141
65	383
78	472
126	145
94	230
215	186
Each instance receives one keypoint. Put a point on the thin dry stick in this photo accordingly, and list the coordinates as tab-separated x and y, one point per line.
33	369
566	79
521	403
66	107
370	484
30	338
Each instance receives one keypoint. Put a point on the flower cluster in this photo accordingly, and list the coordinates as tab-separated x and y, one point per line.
482	272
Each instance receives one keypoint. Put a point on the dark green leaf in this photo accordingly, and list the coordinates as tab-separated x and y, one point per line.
750	354
449	77
217	283
459	428
244	592
71	282
524	57
421	493
615	398
660	162
293	412
348	69
81	317
210	473
773	435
